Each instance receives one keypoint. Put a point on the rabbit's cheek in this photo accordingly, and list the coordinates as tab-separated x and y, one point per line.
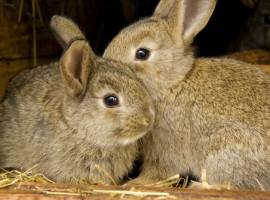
110	115
145	73
130	140
140	68
127	136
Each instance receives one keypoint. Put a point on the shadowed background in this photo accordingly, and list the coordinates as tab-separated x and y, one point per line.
23	34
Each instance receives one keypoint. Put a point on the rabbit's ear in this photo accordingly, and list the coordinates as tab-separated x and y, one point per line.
186	18
65	30
163	8
75	67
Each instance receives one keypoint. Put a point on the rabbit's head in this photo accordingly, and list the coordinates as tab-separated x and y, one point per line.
159	46
107	105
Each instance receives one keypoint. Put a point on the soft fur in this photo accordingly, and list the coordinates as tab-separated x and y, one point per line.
212	114
56	120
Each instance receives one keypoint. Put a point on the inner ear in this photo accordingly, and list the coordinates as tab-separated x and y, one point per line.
188	17
75	66
75	69
196	15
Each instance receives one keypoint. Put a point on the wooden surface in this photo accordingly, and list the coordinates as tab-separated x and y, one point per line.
62	192
16	39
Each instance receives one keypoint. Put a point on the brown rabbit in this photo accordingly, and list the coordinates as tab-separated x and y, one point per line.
211	113
80	124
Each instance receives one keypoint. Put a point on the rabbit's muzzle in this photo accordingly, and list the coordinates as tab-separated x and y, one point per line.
137	126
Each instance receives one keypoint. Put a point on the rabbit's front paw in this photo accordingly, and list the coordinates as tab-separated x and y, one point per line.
205	185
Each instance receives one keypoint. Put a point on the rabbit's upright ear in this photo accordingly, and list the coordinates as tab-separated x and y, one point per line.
185	18
163	8
65	30
75	67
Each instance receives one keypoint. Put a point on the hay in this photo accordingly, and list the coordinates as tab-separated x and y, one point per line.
38	183
35	10
174	181
15	179
112	193
9	178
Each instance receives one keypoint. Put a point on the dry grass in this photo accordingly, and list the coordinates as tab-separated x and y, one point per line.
15	179
25	185
9	178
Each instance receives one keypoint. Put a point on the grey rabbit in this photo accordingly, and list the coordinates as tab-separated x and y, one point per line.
79	123
212	114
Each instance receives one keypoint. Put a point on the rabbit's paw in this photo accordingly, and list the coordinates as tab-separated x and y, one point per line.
205	185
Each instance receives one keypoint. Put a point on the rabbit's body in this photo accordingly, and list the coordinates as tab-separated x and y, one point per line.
197	129
79	123
34	131
211	113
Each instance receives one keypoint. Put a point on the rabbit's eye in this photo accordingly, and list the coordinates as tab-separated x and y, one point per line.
142	54
111	101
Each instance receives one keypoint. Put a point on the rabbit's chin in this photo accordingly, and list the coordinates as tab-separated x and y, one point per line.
124	141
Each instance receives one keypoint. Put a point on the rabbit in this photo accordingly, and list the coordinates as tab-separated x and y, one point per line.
212	114
79	123
257	31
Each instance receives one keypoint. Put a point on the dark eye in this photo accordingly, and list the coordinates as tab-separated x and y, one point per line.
142	54
111	101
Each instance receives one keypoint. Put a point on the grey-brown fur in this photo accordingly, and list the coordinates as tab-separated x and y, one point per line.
56	120
211	114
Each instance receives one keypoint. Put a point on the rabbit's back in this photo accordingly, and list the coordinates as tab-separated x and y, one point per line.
228	105
235	90
23	114
30	83
221	104
230	120
28	93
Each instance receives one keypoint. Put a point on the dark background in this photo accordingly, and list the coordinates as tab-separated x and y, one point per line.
101	20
